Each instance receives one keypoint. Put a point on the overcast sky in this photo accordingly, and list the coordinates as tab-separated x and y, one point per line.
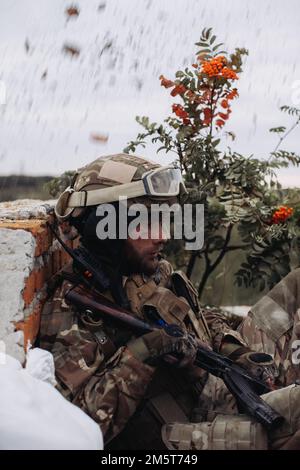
54	101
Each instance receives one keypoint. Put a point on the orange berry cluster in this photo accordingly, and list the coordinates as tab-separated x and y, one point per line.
229	74
216	67
282	214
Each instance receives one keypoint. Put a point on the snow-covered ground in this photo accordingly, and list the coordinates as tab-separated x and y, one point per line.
240	310
34	415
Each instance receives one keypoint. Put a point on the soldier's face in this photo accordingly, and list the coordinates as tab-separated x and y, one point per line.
143	254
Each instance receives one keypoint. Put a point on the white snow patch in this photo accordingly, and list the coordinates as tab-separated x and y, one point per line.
35	416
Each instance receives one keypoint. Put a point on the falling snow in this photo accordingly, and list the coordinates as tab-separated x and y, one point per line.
72	76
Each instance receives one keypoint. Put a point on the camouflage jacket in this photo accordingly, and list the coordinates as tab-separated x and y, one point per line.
96	371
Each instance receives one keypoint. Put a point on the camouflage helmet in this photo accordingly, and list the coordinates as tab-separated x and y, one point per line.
107	178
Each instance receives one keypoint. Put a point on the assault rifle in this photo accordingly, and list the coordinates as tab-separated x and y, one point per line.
243	386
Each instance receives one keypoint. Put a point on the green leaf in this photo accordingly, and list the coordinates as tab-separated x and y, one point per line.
217	46
203	51
207	33
202	44
216	142
290	110
277	129
221	52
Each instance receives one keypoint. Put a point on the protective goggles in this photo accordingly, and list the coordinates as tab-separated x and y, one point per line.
162	182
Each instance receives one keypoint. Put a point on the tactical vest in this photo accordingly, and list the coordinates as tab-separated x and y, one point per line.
173	393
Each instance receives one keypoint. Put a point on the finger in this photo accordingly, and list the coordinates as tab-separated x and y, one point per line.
203	345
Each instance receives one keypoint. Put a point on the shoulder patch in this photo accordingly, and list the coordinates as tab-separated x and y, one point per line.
271	318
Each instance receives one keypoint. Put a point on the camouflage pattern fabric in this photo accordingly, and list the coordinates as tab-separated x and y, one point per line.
105	172
111	390
273	326
112	170
232	431
121	393
225	432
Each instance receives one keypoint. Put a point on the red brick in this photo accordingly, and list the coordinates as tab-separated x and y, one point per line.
43	237
34	283
29	289
38	229
31	325
40	279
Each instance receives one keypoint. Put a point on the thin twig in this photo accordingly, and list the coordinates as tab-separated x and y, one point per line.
283	137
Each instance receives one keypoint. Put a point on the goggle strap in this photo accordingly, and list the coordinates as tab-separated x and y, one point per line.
106	195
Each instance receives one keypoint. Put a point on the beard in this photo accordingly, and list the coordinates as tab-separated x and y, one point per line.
136	262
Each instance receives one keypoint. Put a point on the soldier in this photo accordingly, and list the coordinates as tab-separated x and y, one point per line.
141	396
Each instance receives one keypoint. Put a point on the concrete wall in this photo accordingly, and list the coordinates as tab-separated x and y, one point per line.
28	258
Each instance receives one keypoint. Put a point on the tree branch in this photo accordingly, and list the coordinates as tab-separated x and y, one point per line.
191	263
181	157
286	134
224	248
